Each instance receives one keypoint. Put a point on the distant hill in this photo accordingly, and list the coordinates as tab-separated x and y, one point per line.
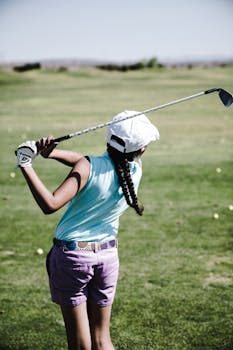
78	63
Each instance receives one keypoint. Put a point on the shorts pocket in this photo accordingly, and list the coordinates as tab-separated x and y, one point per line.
48	261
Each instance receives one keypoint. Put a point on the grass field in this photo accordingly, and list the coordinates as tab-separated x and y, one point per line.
175	288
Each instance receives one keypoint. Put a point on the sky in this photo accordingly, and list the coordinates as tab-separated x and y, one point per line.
116	30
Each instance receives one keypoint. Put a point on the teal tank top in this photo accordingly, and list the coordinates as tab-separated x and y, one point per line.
93	214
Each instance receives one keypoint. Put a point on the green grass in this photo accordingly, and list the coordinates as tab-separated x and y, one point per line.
175	288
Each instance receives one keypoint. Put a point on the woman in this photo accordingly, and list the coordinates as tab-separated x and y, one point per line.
83	262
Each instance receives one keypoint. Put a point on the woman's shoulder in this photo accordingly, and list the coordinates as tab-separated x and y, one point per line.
100	160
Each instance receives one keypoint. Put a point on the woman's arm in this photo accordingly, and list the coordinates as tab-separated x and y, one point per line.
69	158
47	148
50	202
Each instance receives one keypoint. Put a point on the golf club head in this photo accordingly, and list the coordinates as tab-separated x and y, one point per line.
225	97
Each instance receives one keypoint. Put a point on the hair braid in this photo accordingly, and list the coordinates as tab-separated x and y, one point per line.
134	199
123	171
123	183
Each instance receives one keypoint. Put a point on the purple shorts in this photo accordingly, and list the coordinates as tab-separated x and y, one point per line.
76	276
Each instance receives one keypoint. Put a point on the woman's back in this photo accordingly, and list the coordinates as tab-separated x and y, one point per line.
93	214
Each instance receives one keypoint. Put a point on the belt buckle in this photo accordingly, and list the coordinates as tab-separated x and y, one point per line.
83	246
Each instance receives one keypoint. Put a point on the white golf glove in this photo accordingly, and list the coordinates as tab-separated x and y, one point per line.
25	153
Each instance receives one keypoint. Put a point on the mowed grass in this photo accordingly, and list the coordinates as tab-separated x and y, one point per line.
175	287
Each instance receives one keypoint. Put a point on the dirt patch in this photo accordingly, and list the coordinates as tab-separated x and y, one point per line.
7	252
217	260
217	279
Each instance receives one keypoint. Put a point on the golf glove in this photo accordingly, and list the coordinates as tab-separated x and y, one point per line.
25	153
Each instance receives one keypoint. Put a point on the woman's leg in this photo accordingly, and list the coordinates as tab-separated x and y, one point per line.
99	319
77	327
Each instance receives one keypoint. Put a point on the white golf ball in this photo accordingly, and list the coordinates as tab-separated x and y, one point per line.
39	251
12	174
230	207
216	216
218	170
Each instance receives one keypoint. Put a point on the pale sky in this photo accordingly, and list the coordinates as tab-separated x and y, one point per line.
116	30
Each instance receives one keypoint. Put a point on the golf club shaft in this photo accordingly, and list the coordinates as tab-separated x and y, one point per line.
153	109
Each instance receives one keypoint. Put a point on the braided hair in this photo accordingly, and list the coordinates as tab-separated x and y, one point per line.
121	162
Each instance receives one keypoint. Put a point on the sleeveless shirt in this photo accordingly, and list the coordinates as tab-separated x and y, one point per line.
93	214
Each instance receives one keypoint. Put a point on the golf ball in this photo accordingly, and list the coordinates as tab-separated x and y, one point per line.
218	170
39	251
230	207
216	216
12	174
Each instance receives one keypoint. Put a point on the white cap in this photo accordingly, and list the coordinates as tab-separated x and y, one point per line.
131	134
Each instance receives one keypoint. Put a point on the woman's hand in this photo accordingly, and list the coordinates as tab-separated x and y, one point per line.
45	146
25	154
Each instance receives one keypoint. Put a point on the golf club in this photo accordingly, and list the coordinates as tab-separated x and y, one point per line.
224	96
